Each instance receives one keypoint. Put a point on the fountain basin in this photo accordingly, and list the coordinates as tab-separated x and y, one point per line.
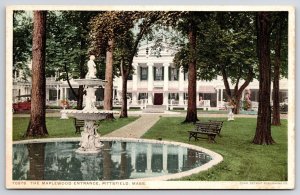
93	115
119	159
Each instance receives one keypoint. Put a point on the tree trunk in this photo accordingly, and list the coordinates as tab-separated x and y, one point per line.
82	76
263	128
108	90
236	97
276	105
36	153
37	123
124	74
68	81
191	115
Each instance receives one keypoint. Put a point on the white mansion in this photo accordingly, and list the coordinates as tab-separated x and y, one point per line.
156	81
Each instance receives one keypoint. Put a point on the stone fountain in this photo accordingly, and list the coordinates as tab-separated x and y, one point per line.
90	139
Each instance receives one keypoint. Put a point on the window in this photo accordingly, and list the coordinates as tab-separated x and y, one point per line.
143	96
158	73
130	76
129	96
185	96
144	73
173	74
173	96
186	75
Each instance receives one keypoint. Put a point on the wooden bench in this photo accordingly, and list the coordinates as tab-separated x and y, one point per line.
78	124
219	124
209	129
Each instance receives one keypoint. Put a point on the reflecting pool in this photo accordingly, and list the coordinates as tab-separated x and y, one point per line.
117	161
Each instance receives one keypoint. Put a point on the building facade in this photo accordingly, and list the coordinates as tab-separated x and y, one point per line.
155	81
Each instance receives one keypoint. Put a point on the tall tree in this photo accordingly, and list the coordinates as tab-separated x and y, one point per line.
225	48
280	41
188	25
191	115
108	90
263	128
237	60
37	123
106	28
123	51
119	25
129	47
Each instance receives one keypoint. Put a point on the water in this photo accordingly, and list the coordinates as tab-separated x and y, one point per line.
116	161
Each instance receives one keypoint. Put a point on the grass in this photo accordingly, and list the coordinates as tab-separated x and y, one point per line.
243	161
65	128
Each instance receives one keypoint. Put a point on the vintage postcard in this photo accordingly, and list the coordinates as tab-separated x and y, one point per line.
150	97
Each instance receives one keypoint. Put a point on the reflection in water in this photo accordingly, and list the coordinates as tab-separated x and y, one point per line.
36	153
107	162
117	160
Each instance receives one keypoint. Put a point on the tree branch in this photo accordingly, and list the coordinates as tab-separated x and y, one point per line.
68	80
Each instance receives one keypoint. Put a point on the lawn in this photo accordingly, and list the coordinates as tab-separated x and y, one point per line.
65	128
243	161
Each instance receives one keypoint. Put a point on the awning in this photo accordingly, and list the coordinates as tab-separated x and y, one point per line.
206	89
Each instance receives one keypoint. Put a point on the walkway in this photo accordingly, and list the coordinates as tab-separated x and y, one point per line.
137	128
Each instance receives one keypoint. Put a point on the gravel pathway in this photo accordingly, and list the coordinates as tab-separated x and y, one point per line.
137	128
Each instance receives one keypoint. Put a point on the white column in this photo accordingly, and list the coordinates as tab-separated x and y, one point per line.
217	98
149	158
165	158
181	98
57	93
181	86
150	84
113	95
135	80
61	96
66	93
197	96
47	93
222	100
166	85
134	97
135	77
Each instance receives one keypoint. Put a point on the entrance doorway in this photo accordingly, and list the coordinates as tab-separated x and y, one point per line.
158	98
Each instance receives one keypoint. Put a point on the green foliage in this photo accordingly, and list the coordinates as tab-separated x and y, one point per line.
22	41
67	42
225	40
243	161
109	25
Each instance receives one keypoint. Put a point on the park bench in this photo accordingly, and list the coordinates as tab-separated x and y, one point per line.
219	126
205	130
78	124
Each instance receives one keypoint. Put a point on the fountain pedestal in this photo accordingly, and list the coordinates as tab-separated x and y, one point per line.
90	139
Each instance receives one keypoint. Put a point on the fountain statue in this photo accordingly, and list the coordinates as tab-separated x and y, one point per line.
90	139
230	106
